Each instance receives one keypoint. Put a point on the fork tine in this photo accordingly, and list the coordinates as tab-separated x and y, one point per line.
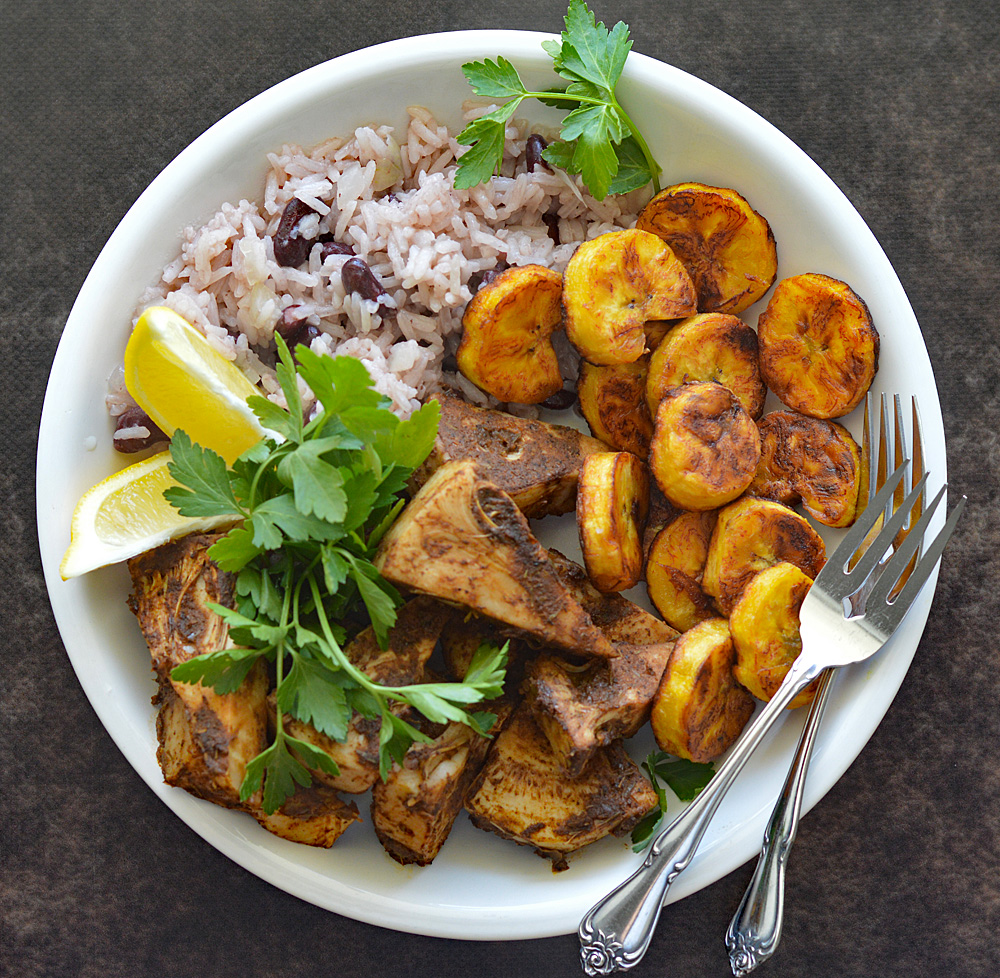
844	579
888	616
905	551
869	464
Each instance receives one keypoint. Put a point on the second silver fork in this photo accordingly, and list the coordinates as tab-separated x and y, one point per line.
755	929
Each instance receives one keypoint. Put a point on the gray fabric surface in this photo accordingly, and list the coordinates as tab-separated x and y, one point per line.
896	871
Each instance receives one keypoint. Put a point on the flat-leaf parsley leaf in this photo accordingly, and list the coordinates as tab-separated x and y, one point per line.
598	139
685	779
309	511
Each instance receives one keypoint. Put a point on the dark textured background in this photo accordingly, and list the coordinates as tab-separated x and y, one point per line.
897	871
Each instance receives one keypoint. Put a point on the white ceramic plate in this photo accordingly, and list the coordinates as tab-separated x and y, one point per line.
480	887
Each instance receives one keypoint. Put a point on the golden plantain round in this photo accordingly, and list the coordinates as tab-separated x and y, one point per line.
612	500
751	535
726	246
705	446
765	627
699	709
674	566
505	348
612	398
613	285
810	461
818	345
709	346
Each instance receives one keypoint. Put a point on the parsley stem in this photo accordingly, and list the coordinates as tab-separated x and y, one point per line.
258	475
654	167
377	689
338	653
279	649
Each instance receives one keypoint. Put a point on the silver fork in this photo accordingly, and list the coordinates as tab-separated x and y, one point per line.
615	934
755	929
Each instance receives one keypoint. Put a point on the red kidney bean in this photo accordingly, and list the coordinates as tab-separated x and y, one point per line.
135	417
358	278
305	336
551	221
331	247
478	279
533	152
290	323
561	400
289	249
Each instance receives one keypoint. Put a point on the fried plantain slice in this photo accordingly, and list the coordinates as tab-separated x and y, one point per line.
818	345
675	563
505	348
612	398
705	446
656	329
612	502
699	709
765	629
613	284
661	512
751	535
709	346
812	461
725	245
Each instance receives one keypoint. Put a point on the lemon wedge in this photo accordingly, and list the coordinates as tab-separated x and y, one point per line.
180	381
126	515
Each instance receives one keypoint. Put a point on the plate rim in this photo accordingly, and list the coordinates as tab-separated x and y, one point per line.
265	863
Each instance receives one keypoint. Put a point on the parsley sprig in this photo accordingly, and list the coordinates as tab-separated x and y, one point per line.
599	140
685	779
310	505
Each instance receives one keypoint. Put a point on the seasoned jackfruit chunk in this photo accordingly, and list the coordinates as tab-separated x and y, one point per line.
463	540
522	793
611	506
613	284
700	709
709	346
726	246
818	345
206	739
581	708
705	447
809	461
751	535
765	628
313	816
414	809
674	567
506	348
621	620
613	400
536	463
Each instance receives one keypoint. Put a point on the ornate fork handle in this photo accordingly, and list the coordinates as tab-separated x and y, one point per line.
756	927
615	934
